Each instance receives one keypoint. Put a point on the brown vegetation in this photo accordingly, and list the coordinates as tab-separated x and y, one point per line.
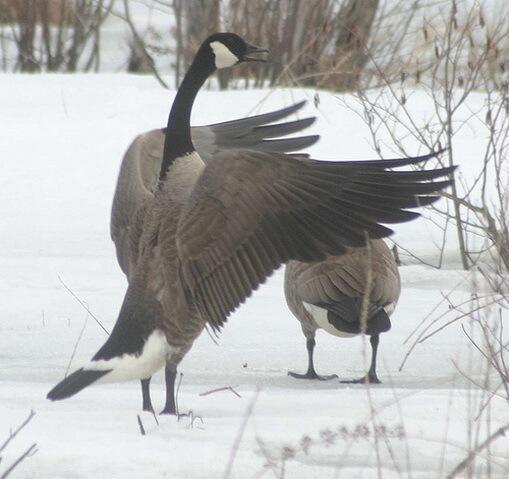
52	11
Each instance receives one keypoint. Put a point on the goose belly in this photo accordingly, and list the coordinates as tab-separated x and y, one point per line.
319	315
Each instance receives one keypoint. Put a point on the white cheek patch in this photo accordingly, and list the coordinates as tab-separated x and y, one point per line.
131	366
224	57
320	317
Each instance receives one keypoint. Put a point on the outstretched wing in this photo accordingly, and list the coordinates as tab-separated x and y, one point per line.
140	167
254	133
250	212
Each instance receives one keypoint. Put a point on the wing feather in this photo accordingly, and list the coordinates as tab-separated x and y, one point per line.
250	212
141	164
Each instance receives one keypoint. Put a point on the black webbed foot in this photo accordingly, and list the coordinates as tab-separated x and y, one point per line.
368	379
312	375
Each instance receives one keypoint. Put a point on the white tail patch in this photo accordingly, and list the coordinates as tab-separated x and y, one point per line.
224	57
389	308
320	317
131	366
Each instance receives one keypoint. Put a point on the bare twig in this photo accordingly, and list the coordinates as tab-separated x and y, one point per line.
140	424
269	461
367	291
240	433
225	388
84	305
14	433
192	418
28	453
155	417
181	376
76	346
472	454
141	45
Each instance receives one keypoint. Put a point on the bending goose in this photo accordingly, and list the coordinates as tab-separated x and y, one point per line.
213	233
139	173
329	295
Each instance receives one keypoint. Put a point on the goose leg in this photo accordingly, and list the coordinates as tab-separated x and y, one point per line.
371	377
311	373
170	373
145	392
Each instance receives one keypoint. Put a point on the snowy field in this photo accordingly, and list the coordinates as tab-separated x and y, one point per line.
61	144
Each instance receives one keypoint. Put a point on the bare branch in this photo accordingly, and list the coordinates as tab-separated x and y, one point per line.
28	453
85	307
225	388
141	45
472	454
240	433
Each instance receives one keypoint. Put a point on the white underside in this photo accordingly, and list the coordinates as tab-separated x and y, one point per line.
320	317
129	366
389	309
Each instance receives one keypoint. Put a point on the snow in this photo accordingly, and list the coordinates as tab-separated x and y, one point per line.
62	142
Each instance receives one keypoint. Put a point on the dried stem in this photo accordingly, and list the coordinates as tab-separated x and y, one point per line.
480	447
240	433
84	305
28	453
225	388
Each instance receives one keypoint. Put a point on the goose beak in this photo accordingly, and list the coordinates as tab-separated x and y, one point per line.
254	50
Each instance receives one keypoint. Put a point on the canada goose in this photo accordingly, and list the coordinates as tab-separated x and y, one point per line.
329	295
213	233
141	165
139	171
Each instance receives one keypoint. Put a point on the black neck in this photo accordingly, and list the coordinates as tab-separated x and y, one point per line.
178	131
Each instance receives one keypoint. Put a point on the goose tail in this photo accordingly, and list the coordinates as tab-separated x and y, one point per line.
120	359
74	383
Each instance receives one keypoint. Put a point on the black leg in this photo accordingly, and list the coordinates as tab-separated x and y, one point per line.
311	373
145	392
170	373
371	377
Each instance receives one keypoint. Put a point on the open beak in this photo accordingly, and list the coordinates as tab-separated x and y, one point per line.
253	52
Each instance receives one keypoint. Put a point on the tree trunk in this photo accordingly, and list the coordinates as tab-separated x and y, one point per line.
202	19
27	20
354	24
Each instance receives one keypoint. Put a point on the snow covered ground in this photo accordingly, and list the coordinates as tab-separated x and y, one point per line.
61	144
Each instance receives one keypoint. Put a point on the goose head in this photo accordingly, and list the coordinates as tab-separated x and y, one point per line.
228	49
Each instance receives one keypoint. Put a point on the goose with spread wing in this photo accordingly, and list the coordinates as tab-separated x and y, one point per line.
139	173
212	233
